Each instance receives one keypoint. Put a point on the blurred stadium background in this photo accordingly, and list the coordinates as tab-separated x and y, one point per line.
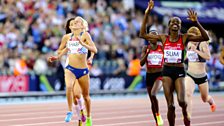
31	30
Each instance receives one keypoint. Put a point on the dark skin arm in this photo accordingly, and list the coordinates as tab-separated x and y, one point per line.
143	33
144	54
204	36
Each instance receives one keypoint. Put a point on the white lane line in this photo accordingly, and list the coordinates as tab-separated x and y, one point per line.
95	113
139	122
97	110
100	112
119	117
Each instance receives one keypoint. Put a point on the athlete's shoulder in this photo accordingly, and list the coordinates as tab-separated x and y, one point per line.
144	48
85	33
67	35
163	36
203	44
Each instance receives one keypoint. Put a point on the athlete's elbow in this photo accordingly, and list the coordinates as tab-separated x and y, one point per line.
208	58
141	35
142	63
59	51
206	38
65	50
95	51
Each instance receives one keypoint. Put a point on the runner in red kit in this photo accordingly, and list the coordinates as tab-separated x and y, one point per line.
173	69
152	55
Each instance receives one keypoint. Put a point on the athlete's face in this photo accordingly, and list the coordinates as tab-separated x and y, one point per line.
175	24
76	24
153	33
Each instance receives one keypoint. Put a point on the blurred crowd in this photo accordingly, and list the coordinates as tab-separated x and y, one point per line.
31	31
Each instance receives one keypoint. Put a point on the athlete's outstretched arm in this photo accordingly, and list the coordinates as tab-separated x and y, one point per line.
204	36
87	42
63	52
144	54
54	58
143	33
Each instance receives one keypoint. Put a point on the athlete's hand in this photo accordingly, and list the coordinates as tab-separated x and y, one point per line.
52	58
192	15
150	6
81	41
147	51
90	61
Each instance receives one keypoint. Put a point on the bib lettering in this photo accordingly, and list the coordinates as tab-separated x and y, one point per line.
76	48
172	56
192	56
155	59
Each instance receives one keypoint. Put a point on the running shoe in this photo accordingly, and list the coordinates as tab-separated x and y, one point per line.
83	117
80	123
68	117
89	121
213	107
159	120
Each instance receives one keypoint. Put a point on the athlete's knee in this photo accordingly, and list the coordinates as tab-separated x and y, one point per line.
171	107
153	93
153	97
85	93
188	93
182	103
75	101
77	96
86	98
69	88
204	98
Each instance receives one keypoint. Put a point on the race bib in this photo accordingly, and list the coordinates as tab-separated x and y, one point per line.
192	56
172	56
155	59
75	47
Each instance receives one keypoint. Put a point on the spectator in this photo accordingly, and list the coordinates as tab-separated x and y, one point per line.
134	66
34	29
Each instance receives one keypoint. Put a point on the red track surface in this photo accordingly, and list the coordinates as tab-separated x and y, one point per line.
109	112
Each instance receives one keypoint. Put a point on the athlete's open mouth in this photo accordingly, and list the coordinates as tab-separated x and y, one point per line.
175	26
